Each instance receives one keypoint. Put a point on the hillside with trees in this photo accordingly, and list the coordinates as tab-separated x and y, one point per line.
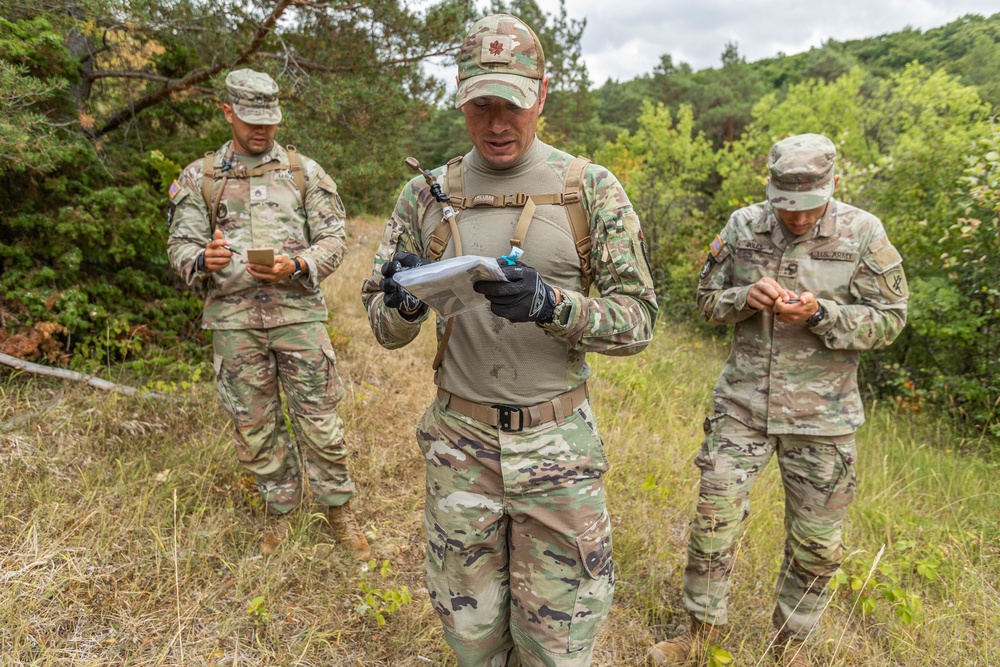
102	103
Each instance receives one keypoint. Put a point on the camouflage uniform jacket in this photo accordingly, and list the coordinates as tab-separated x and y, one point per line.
792	378
263	211
618	322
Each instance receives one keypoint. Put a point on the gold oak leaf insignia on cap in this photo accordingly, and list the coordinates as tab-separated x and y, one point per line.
496	48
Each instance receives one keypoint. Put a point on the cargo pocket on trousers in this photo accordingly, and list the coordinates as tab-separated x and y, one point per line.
222	386
437	580
334	386
584	416
844	480
596	590
463	572
710	445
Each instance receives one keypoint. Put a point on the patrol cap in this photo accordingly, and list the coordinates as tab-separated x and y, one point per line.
801	172
500	57
254	96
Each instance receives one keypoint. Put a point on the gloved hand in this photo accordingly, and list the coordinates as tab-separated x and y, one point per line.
395	296
526	298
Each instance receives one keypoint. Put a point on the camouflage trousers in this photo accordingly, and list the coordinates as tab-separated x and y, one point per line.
519	562
249	366
819	481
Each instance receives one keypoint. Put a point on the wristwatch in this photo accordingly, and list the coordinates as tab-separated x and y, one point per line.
560	314
816	317
298	268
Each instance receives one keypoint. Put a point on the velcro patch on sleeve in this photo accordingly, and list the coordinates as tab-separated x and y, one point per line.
887	257
716	246
884	259
878	244
327	184
178	197
174	188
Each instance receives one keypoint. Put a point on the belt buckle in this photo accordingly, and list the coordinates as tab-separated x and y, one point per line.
504	415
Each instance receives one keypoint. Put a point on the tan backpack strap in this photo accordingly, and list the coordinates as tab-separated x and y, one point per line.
214	218
496	201
439	240
579	218
207	184
455	182
298	173
242	172
523	222
517	199
443	343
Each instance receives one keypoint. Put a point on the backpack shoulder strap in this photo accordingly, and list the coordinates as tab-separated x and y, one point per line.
207	186
455	183
579	219
298	173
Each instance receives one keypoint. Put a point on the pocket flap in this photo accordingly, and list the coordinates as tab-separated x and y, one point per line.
595	548
883	259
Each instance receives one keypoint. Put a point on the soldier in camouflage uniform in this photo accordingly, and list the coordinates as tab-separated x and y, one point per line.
519	560
268	322
808	282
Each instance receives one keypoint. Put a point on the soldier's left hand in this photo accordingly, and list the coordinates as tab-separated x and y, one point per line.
525	298
791	312
283	267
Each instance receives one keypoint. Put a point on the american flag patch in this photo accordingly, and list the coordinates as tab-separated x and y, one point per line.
175	187
716	246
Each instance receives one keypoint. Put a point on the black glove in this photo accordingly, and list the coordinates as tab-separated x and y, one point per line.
526	298
395	296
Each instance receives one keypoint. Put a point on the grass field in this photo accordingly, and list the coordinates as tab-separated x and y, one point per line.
129	537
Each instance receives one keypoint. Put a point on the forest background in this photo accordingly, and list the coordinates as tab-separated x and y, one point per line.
102	102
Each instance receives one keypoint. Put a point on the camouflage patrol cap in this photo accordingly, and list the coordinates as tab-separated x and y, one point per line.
254	96
500	57
801	172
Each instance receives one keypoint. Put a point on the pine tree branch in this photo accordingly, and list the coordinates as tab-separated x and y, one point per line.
128	113
312	66
304	64
134	74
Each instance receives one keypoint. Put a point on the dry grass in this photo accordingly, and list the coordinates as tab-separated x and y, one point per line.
128	537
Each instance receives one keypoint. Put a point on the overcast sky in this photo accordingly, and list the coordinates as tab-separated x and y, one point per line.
625	38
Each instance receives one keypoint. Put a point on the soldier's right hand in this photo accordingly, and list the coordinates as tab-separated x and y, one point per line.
765	292
402	261
409	306
217	255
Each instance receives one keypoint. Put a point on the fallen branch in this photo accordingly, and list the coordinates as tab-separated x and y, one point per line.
93	381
